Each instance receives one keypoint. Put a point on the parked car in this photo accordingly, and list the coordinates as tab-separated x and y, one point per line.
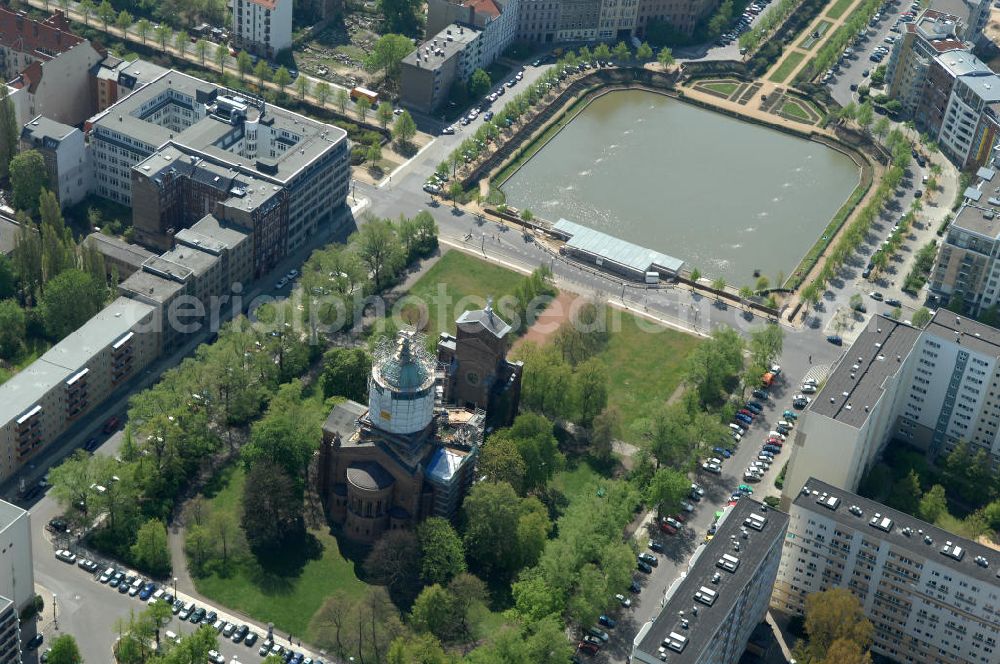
649	559
835	339
623	600
709	467
607	621
760	394
66	556
250	639
656	546
644	567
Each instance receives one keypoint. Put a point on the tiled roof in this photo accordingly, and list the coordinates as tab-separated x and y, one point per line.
42	39
487	7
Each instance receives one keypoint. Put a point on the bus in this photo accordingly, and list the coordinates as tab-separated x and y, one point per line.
364	93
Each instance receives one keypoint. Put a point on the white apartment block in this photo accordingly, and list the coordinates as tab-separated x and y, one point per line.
65	154
929	388
17	577
709	613
933	597
263	27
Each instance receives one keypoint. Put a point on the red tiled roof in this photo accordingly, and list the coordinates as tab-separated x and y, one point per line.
266	4
487	7
30	77
944	45
45	39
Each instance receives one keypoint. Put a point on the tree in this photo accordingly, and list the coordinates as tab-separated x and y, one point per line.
479	84
602	52
28	176
65	651
262	72
142	28
832	615
500	530
905	494
844	651
201	49
603	431
589	391
123	21
401	15
244	63
622	52
766	344
395	562
455	191
285	437
12	329
866	115
164	34
384	114
921	317
387	56
86	9
380	250
342	96
443	555
666	58
272	508
933	504
106	13
345	373
302	86
418	649
9	131
644	52
181	41
221	55
500	461
433	611
668	488
535	440
404	128
282	78
69	300
881	127
150	551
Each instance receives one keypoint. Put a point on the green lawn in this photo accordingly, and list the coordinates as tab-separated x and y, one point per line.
574	482
794	109
791	61
289	601
810	40
644	367
838	8
726	88
456	283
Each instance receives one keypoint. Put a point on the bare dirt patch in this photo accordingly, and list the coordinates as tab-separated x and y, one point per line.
557	313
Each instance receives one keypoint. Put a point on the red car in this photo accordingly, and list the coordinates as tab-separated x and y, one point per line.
111	425
748	413
667	528
680	517
587	648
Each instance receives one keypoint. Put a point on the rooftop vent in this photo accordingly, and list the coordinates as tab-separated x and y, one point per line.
883	523
907	531
755	521
981	561
828	501
928	539
728	562
953	551
706	596
855	510
716	577
675	642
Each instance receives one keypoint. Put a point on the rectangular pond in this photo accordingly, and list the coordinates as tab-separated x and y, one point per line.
727	197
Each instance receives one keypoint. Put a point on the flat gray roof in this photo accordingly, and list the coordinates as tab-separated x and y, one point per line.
986	87
442	46
857	383
126	252
962	63
913	542
966	332
614	249
40	128
8	235
9	513
982	205
212	236
25	388
703	627
151	287
315	138
194	260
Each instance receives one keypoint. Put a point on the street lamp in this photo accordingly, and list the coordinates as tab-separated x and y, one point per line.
55	618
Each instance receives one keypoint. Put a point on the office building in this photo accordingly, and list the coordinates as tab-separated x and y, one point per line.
46	67
17	577
929	389
10	633
114	78
62	147
710	612
121	258
447	59
403	457
262	27
72	378
189	148
932	597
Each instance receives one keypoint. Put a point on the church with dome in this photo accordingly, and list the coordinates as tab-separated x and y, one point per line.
411	452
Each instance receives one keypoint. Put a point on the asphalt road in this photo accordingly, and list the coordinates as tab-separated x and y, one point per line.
851	71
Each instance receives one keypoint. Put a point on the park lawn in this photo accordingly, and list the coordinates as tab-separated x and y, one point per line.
794	109
788	65
722	87
457	282
287	601
838	8
578	478
644	367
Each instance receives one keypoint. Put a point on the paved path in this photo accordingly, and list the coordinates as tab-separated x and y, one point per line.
814	49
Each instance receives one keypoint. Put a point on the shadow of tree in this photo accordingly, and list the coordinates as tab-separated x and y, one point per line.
275	570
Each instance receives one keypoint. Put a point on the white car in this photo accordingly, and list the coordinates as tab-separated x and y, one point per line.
712	468
673	522
624	601
808	389
66	556
281	283
801	397
775	434
785	423
172	636
214	656
751	476
686	506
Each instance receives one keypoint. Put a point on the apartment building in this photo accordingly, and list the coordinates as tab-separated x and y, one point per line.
447	59
966	269
72	378
682	15
933	597
934	33
17	582
10	633
46	66
496	19
115	78
193	148
930	388
191	286
709	613
971	120
65	154
121	258
263	27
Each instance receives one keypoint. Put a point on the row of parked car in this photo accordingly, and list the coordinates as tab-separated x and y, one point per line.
743	22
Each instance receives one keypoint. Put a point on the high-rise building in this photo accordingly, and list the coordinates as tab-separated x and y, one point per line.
929	388
710	611
263	27
17	577
10	633
66	159
933	597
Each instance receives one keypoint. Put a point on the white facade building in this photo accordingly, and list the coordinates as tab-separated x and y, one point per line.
17	578
932	597
65	154
263	27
